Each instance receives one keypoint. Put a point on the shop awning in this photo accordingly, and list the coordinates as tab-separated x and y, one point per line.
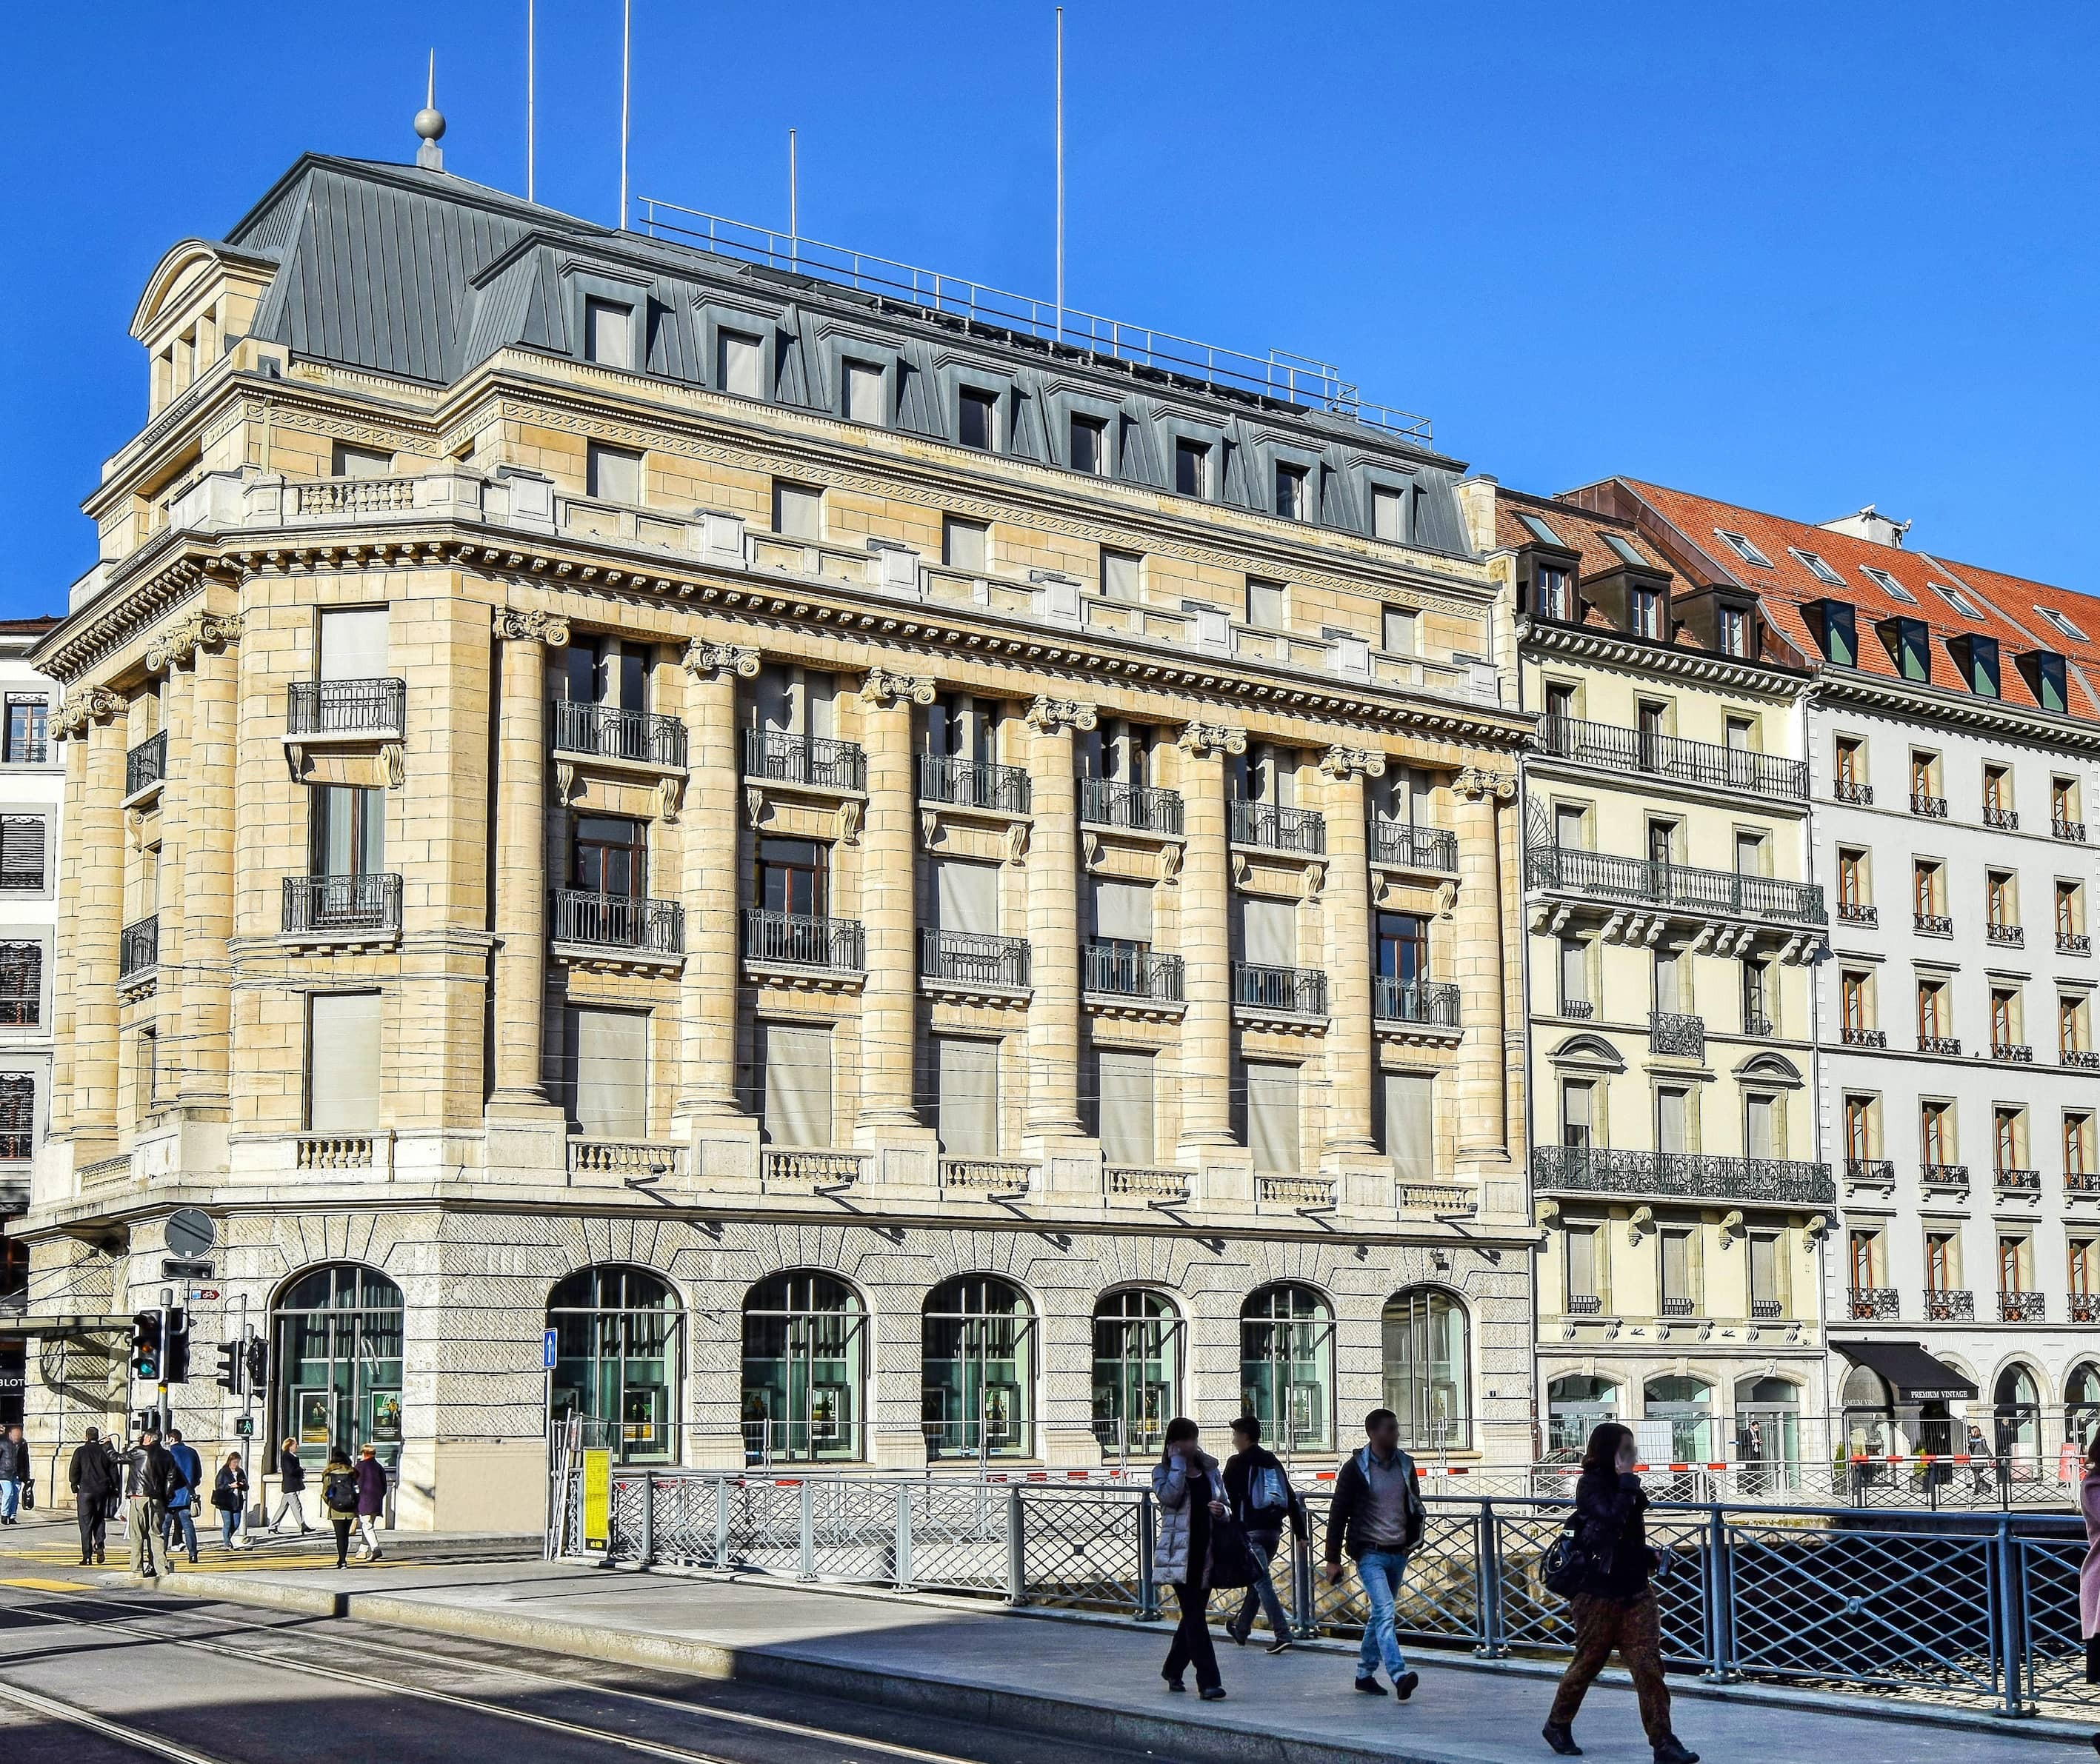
1913	1374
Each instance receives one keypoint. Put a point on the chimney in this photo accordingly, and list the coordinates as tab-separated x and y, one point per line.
1877	529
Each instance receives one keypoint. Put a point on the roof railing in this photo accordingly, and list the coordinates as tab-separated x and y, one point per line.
1281	374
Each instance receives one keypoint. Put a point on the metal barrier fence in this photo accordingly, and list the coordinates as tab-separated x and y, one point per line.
1977	1613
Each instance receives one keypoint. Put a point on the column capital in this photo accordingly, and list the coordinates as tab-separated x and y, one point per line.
724	661
1058	717
1346	764
1478	783
183	639
547	628
91	704
1202	741
884	689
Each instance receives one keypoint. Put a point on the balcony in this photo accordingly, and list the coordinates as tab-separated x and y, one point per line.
1866	1038
1432	1004
1932	924
2006	936
1681	1176
1109	802
365	906
2082	1182
2005	820
1274	827
1870	1172
1761	1027
1153	1187
619	922
139	950
1859	795
779	757
1950	1305
986	1179
2081	1059
1121	970
1874	1304
2074	831
1949	1045
973	784
1677	1307
1857	913
1628	751
1932	808
608	733
146	764
1300	991
1581	1009
2085	1307
801	940
374	710
2012	1053
970	959
1765	1311
1304	1194
2022	1307
1585	1304
2073	943
801	1172
1944	1176
1679	886
1672	1032
1414	848
2020	1181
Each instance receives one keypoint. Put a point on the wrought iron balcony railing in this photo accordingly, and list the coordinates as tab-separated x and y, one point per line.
1874	1304
781	758
376	707
2073	830
613	734
801	940
146	764
1932	808
1942	1044
1585	1304
972	959
1676	1032
1933	924
1845	790
1944	1176
619	921
2006	820
2023	1307
973	784
2082	1059
1761	1026
2012	1053
1131	971
1870	1170
1276	828
2006	936
1433	1003
2085	1307
1950	1304
1764	1310
1109	802
2081	1182
2020	1181
1866	1038
2073	943
1857	913
1416	848
1677	1307
342	906
1581	1009
1620	749
1672	885
1682	1175
1303	991
140	947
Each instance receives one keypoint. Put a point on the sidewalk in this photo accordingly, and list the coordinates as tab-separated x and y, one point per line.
1098	1680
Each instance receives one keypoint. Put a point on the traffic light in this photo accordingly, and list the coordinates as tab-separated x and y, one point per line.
258	1364
230	1367
146	1346
175	1349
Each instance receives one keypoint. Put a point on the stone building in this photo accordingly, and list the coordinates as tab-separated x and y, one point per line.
915	891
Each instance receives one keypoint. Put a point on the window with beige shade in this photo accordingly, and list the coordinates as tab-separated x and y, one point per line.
1935	1134
2016	1262
1943	1271
1852	890
2000	900
1934	1010
1864	1253
2073	1025
1861	1129
1855	993
1928	895
2009	1138
2005	1020
2078	1144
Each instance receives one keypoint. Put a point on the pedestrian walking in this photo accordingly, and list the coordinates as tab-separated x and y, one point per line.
2088	1570
183	1498
1377	1517
291	1486
149	1479
91	1476
1258	1492
229	1494
1190	1494
1618	1608
1983	1467
16	1491
339	1498
371	1500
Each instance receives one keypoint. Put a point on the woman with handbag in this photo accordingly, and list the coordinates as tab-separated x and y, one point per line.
229	1494
2088	1570
1191	1497
1615	1607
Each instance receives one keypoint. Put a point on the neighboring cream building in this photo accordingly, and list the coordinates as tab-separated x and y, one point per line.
1673	924
913	893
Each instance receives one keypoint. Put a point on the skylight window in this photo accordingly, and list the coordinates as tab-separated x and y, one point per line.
1888	585
1816	566
1628	552
2062	623
1743	549
1541	532
1955	598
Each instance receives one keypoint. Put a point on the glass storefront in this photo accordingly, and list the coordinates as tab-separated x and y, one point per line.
977	1369
616	1360
805	1370
1677	1426
336	1335
1287	1367
1137	1371
1423	1332
1574	1405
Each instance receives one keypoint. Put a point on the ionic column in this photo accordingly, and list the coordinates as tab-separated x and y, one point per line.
98	921
1206	1027
521	878
202	775
706	995
1483	1077
1053	919
889	997
1346	903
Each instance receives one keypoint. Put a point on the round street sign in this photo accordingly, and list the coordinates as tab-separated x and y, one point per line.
190	1233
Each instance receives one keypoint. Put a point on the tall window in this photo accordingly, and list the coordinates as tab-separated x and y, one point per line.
610	856
1291	492
1674	1246
1757	998
1939	1269
1928	890
1403	948
2015	1263
347	831
2005	1017
739	364
1586	1270
1767	1268
21	851
863	392
1935	1134
1577	1102
977	1370
2071	1017
21	985
27	716
338	1332
1859	1014
2084	1265
1647	609
344	1090
1553	594
1932	1010
790	877
616	1361
608	333
1997	792
1192	469
1859	1128
2078	1144
1852	879
977	419
1388	515
18	1116
1287	1366
1734	631
2000	909
1089	445
1865	1257
805	1370
1137	1369
2063	807
1428	1375
1851	766
1924	776
2007	1130
2068	915
795	1070
1575	1000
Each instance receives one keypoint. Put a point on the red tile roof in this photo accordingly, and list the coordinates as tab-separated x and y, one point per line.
1582	531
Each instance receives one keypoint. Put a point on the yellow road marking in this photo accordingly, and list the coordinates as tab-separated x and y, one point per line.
45	1586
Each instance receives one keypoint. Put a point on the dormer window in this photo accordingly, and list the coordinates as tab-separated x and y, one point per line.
739	364
2044	672
609	333
976	420
1388	512
1907	642
1090	446
1644	613
1290	498
1743	549
1977	657
1815	566
863	392
1955	598
1627	552
1192	469
1537	527
1834	622
1553	594
1888	585
1732	629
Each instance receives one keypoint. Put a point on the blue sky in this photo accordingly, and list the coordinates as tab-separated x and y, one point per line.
1804	256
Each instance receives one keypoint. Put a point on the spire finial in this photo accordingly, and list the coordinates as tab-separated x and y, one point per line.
430	124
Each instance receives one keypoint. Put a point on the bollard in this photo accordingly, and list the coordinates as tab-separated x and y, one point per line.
1148	1589
648	1520
904	1536
721	1524
1719	1589
807	1563
1304	1610
1017	1550
2010	1603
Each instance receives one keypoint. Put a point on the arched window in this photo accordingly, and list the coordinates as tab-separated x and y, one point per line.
804	1369
2081	1403
2016	1413
1137	1370
977	1370
1428	1377
1869	1413
1574	1405
1287	1366
1679	1419
337	1331
1768	1427
616	1360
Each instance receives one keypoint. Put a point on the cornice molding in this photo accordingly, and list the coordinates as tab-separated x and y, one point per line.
1845	686
1581	643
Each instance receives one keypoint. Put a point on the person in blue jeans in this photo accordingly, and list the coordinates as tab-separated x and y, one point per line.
1377	1518
182	1494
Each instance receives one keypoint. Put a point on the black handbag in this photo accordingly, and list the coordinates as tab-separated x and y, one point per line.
1565	1567
2092	1659
1232	1556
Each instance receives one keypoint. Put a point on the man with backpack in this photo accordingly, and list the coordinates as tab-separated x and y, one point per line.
339	1498
1259	1492
1379	1517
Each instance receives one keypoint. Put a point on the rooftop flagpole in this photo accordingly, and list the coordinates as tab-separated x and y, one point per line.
1060	174
530	22
794	214
626	45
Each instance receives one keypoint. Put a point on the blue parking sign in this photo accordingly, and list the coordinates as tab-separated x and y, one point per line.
548	1352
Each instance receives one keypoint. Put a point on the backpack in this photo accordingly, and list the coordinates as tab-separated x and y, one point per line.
339	1491
1268	1492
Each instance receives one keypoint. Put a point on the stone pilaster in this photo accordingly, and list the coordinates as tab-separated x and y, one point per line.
1482	799
200	776
1351	1062
1053	921
706	995
98	921
65	966
1207	1028
520	881
890	998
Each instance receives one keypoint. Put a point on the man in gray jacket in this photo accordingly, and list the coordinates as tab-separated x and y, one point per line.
1377	1515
